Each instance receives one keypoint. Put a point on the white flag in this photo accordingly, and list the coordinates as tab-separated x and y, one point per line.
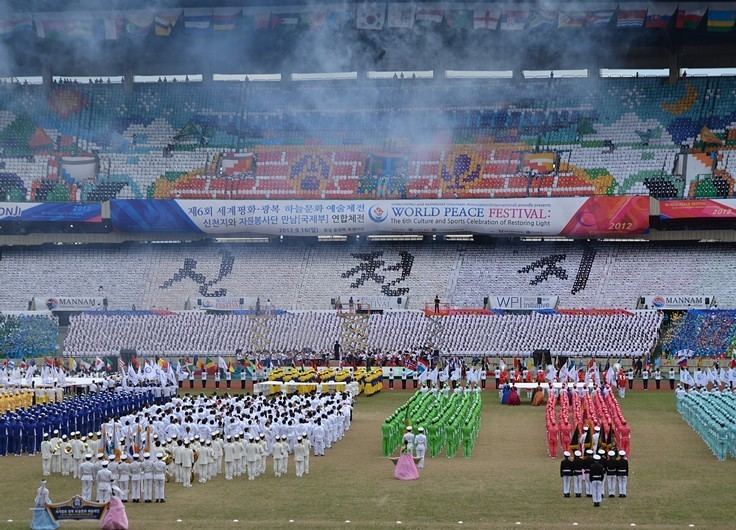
400	15
132	375
221	364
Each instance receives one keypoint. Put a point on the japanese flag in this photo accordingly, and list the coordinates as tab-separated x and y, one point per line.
370	16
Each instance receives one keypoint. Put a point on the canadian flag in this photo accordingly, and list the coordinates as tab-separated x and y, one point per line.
370	16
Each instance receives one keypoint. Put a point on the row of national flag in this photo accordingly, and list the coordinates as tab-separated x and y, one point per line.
520	16
112	25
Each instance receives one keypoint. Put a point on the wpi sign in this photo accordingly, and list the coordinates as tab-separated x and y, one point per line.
522	303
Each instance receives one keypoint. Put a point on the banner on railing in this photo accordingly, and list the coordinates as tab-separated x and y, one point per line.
676	302
698	209
51	212
69	303
226	303
556	216
522	303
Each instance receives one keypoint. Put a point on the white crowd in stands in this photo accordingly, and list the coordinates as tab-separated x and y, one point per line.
614	335
193	332
307	275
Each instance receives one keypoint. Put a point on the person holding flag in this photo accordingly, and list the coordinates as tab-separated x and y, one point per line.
221	365
245	363
686	377
422	370
621	383
181	373
229	373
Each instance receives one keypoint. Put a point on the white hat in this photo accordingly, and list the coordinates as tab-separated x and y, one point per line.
622	453
611	453
146	455
597	428
159	455
578	453
596	457
421	429
408	428
566	453
104	463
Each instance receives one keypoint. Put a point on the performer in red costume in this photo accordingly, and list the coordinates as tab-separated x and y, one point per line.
552	434
565	435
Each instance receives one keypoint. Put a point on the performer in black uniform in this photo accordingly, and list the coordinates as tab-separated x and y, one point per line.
611	473
597	475
577	467
567	468
622	473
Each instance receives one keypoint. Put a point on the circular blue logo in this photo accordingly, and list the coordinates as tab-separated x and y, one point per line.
377	213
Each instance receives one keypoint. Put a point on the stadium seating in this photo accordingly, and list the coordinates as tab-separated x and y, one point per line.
28	335
192	333
707	333
308	275
248	140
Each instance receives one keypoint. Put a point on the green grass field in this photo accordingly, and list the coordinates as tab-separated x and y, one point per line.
675	482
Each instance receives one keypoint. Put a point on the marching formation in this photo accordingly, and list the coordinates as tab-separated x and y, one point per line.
597	421
595	441
596	473
194	439
24	429
712	415
449	418
11	399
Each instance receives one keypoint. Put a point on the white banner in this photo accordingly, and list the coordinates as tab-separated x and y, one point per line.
521	303
676	302
225	303
370	302
68	303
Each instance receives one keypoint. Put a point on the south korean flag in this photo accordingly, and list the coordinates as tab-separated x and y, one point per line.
370	16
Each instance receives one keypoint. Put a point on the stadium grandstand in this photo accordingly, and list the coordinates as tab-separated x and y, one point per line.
353	193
